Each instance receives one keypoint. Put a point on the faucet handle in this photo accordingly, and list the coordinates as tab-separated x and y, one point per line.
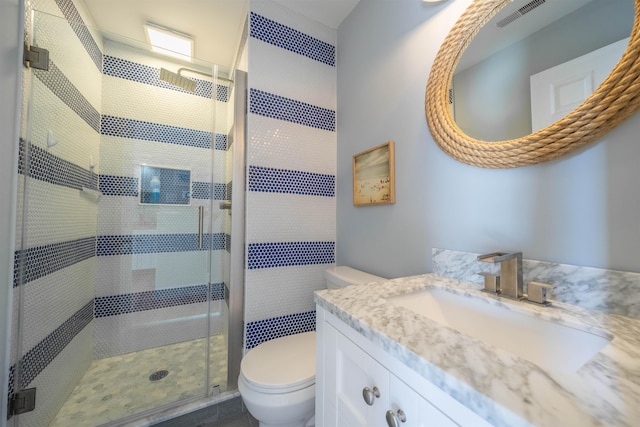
491	282
537	292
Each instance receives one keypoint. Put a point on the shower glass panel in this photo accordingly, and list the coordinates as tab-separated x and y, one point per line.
121	303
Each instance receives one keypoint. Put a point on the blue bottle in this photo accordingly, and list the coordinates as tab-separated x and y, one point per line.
155	189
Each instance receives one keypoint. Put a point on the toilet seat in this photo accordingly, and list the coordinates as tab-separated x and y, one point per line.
283	365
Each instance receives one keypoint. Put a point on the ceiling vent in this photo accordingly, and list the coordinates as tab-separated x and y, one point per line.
518	13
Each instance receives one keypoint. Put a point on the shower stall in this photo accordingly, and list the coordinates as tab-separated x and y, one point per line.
129	256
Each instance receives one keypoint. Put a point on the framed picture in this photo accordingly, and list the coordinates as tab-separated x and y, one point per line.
374	176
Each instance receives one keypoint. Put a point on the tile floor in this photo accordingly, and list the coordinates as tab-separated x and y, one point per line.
120	386
241	420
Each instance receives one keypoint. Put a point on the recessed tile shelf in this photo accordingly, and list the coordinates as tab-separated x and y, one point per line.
164	186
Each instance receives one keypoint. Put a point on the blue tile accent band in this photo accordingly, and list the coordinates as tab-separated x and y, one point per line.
279	35
40	261
12	379
37	359
111	185
44	166
151	300
62	87
269	255
77	24
139	73
269	329
147	131
281	108
271	180
202	190
157	243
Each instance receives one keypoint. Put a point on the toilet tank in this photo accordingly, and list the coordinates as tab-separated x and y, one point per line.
341	276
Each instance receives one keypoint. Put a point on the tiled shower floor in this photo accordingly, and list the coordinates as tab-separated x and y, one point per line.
119	386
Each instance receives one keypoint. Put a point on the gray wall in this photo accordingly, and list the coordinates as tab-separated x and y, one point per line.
10	21
581	209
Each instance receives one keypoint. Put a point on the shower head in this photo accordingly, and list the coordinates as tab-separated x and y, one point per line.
177	80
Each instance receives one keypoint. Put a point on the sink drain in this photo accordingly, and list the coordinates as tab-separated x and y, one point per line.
158	375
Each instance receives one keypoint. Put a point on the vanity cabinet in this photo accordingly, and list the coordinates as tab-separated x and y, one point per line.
358	384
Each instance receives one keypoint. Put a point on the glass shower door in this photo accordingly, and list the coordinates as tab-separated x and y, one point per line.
120	248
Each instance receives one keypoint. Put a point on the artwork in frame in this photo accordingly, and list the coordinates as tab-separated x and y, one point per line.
373	176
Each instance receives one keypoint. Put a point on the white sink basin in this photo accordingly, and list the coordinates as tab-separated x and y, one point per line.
552	346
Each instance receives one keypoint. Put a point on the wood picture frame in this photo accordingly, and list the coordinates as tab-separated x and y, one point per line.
374	176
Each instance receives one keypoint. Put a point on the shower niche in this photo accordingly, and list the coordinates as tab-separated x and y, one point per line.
164	186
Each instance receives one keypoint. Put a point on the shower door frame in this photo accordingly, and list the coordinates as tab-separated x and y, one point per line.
236	286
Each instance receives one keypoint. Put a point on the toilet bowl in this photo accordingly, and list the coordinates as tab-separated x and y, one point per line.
277	378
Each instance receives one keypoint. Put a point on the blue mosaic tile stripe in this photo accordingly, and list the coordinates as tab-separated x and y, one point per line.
40	261
271	180
147	131
62	87
283	254
11	381
157	243
77	24
40	356
44	166
221	142
279	35
139	73
202	190
281	108
116	305
111	185
269	329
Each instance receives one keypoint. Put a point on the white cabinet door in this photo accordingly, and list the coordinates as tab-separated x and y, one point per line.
559	90
355	371
403	401
407	404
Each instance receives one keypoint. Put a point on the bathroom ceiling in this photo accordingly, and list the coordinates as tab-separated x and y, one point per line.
215	25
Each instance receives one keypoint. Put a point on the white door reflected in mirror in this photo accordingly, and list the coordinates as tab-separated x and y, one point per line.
559	90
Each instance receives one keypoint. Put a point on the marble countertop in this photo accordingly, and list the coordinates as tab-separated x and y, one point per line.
502	388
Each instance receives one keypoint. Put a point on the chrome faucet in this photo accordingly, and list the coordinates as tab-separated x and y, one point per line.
511	282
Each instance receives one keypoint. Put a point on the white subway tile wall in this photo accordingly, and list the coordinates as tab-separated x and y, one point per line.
291	164
160	274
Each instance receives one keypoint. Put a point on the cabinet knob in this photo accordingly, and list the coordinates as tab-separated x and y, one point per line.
394	420
370	395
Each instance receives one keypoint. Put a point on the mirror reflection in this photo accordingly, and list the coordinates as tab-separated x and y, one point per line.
492	92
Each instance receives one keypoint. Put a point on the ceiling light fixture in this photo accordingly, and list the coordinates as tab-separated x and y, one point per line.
169	42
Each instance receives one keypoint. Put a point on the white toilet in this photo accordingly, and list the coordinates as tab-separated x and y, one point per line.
278	377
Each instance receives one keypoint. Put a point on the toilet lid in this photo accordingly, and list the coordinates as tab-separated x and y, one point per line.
282	365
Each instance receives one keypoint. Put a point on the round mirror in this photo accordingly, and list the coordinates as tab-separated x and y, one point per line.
470	107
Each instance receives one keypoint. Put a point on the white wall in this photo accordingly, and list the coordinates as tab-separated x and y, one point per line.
10	33
581	209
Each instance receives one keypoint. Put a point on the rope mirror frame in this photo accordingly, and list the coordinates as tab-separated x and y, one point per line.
617	98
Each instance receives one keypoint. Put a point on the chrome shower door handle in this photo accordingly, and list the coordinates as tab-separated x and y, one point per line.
200	225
